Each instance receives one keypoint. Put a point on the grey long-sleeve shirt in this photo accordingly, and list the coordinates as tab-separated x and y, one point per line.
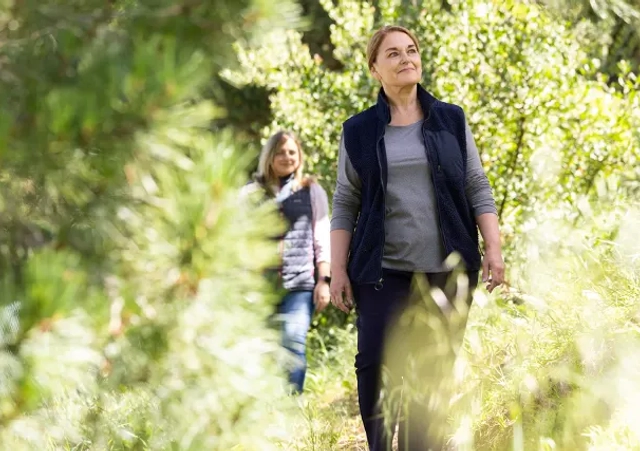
412	235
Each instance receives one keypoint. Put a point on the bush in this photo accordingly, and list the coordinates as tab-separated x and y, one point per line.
560	144
133	313
551	369
546	123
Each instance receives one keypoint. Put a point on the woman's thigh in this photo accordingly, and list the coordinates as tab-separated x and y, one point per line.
294	313
377	308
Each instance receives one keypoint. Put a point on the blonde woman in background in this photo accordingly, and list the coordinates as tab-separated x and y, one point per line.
304	252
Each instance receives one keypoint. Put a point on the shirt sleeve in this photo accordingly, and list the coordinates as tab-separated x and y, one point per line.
248	190
347	195
321	224
478	190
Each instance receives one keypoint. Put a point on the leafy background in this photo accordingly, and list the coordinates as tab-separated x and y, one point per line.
133	312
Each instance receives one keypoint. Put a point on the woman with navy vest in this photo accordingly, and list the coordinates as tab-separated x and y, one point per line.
410	191
303	273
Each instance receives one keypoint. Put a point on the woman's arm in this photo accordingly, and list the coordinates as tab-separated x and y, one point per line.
322	253
321	227
477	186
346	207
481	199
492	263
347	195
340	241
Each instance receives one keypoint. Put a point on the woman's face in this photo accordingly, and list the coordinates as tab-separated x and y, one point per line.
398	61
287	158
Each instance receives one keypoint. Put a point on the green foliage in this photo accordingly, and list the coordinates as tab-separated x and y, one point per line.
559	140
610	25
247	108
550	369
559	358
547	125
331	417
133	313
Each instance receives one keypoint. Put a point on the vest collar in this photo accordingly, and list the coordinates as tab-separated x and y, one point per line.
286	179
384	111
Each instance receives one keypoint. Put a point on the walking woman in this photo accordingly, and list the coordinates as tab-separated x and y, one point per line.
304	247
410	191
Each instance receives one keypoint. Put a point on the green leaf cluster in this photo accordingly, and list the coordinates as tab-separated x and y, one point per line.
133	311
550	127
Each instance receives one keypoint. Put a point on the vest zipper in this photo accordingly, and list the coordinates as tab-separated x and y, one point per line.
435	186
437	165
378	285
280	279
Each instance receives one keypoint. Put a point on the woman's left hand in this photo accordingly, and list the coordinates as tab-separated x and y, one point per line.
492	269
321	296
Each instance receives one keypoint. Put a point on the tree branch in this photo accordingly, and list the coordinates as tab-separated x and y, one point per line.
514	161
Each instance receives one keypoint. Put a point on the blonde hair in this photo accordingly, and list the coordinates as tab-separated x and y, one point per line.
376	41
265	175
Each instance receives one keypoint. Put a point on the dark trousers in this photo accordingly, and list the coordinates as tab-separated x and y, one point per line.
393	322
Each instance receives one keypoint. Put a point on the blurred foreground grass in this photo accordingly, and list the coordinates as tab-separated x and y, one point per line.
552	369
133	313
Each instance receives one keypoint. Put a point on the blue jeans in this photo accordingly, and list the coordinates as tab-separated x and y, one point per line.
294	314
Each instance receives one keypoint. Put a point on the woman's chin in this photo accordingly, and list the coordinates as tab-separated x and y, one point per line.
408	78
407	82
285	172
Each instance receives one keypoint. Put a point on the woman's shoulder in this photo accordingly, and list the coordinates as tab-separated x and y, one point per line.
310	181
250	188
307	182
314	187
449	108
361	118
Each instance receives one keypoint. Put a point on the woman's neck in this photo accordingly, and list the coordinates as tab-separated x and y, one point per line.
283	180
404	104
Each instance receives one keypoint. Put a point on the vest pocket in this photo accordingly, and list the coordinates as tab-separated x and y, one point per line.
450	159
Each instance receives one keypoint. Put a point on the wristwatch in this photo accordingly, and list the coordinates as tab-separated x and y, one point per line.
326	279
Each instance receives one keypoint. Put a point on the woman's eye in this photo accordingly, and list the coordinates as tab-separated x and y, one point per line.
412	50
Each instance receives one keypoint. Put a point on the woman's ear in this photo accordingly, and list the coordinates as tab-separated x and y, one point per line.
374	73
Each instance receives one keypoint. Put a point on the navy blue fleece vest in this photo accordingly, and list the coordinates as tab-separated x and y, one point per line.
445	143
298	268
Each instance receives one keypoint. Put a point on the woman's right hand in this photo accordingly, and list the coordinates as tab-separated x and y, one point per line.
341	294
